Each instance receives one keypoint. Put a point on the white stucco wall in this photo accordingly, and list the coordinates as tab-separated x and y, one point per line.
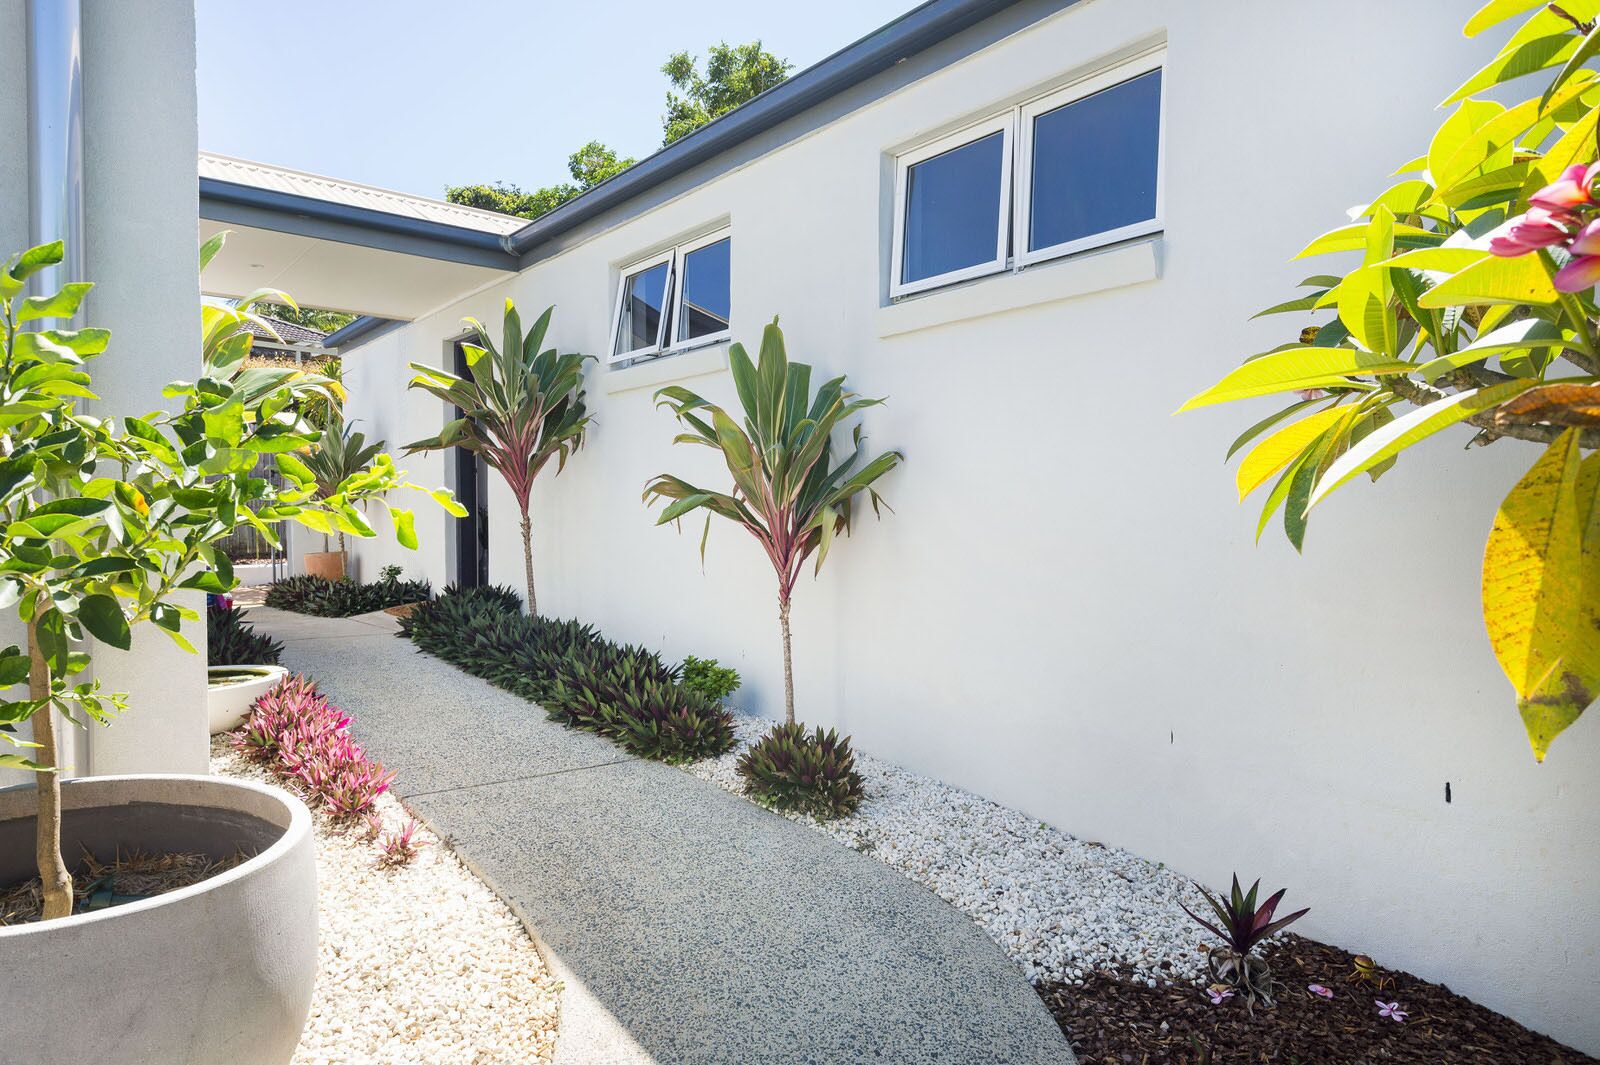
140	203
1066	612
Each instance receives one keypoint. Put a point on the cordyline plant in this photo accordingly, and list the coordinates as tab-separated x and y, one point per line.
1473	306
102	526
519	408
787	491
1242	926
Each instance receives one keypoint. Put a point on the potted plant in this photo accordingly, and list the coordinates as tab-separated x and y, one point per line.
339	455
104	526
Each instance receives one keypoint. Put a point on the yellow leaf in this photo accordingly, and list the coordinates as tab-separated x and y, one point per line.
1539	591
1494	280
1283	446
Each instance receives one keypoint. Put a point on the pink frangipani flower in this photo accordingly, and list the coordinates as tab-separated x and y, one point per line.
1391	1010
1538	228
1587	242
1219	994
1318	989
1581	274
1571	189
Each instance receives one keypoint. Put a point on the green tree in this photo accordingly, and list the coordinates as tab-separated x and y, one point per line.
1472	306
103	522
310	317
589	166
734	74
787	490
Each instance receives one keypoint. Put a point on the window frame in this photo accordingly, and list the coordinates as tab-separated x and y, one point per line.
681	255
1027	113
667	258
1005	124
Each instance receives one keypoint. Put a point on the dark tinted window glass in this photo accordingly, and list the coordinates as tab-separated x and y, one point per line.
953	209
1094	163
644	295
705	291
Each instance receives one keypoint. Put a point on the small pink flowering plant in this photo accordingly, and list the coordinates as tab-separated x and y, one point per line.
400	846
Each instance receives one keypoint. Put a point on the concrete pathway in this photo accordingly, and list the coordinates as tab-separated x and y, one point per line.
690	927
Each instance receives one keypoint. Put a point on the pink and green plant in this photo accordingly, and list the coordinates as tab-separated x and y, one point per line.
521	406
1242	926
304	738
400	846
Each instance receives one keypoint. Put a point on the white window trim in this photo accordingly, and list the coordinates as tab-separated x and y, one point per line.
678	270
669	259
1105	79
1004	124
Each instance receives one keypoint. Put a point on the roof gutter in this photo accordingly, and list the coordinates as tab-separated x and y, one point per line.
284	212
360	331
878	51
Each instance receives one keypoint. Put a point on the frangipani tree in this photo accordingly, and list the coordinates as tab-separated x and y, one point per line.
102	526
787	490
1473	306
520	407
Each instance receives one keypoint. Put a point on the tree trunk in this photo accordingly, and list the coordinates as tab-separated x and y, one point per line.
788	662
527	563
47	834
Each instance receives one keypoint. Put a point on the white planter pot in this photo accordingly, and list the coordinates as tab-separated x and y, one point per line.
228	703
219	973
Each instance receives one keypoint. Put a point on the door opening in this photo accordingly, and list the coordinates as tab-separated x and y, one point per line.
472	492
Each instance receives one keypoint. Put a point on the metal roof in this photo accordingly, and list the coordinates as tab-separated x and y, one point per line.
331	190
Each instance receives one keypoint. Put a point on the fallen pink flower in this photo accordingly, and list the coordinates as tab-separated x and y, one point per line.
1318	989
1391	1010
1571	189
1582	273
1219	995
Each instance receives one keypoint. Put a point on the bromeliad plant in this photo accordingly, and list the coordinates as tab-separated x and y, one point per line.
519	407
1242	926
788	492
1473	306
103	526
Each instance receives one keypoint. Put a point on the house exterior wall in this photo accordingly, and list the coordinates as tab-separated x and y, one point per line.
1065	612
140	204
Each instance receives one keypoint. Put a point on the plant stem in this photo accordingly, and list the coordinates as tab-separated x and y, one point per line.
788	661
527	563
47	834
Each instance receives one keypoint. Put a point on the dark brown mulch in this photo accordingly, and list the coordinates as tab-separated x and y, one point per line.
1113	1021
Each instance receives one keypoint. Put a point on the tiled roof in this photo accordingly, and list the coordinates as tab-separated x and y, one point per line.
288	333
332	190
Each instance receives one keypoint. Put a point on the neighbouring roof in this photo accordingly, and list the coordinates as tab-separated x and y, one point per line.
288	333
332	190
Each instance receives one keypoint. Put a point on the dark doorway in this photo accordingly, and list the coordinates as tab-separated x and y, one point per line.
472	492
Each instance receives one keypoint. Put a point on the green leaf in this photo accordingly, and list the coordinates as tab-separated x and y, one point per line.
103	617
1494	280
35	259
1585	52
63	304
1389	440
1516	60
1497	11
405	527
1299	367
209	249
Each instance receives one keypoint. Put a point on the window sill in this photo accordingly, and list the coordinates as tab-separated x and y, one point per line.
1064	279
665	369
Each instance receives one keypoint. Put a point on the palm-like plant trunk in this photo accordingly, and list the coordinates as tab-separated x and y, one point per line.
527	563
53	876
788	661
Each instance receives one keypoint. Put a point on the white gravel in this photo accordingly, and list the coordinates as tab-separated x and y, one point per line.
1060	906
419	965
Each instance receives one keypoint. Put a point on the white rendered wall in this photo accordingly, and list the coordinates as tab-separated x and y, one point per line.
1066	612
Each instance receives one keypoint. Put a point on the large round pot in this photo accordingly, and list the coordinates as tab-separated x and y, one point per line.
232	690
219	973
329	564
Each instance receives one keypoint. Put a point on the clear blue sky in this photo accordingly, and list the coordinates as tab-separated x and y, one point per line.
415	96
